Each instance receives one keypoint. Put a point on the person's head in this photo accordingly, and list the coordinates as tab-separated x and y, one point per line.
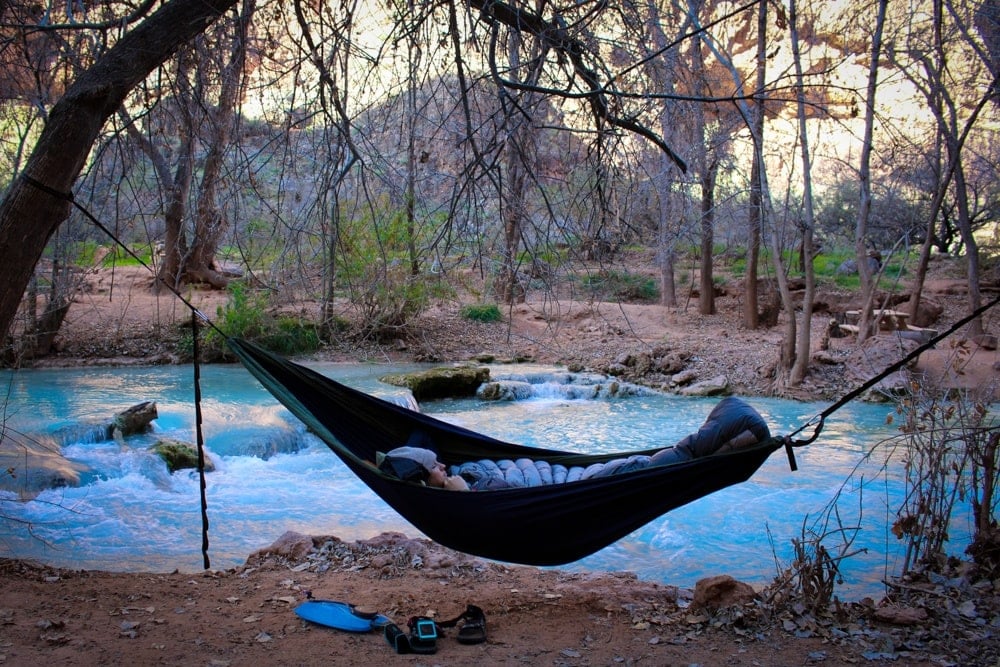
435	471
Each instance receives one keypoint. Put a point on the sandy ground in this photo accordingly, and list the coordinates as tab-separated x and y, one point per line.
245	616
116	320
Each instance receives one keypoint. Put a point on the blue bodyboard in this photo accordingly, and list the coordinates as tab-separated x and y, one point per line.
339	615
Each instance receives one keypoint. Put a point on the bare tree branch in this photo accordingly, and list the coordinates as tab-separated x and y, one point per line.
556	37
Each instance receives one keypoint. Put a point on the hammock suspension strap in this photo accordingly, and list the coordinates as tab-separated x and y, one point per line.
200	439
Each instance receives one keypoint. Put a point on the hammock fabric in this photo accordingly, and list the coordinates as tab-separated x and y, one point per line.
542	525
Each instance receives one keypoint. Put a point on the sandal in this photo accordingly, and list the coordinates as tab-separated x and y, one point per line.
473	630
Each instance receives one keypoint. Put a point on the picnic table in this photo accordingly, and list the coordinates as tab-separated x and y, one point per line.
889	320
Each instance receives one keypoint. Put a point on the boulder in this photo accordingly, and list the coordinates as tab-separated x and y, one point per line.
459	381
849	266
642	363
711	387
827	357
721	591
179	455
922	336
291	545
135	419
890	388
624	359
876	354
29	465
670	363
617	370
683	378
507	390
928	311
901	615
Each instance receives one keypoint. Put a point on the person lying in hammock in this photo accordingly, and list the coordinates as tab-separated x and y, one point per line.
417	464
732	425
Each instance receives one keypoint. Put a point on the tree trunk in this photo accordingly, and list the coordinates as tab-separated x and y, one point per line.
708	169
751	304
668	289
176	186
751	312
864	179
971	247
412	61
331	241
37	202
706	294
520	157
662	71
944	107
512	214
38	341
803	350
210	222
175	248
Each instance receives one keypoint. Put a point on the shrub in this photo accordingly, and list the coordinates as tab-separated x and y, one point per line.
291	335
246	316
374	266
482	312
622	285
949	448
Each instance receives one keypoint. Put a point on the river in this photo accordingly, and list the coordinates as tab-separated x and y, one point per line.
129	514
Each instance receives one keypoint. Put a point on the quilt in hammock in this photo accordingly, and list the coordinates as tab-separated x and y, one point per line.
550	524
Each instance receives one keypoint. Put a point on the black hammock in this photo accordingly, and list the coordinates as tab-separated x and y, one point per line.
541	525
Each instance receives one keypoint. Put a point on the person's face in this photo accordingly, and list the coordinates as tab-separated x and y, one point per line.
437	476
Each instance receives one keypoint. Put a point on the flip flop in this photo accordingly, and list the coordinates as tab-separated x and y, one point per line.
339	615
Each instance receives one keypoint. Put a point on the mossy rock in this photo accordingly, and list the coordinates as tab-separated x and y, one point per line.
442	382
179	455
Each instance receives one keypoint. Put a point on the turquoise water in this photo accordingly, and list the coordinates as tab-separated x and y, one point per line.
130	514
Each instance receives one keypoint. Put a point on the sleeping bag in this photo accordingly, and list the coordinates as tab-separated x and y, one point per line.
732	425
